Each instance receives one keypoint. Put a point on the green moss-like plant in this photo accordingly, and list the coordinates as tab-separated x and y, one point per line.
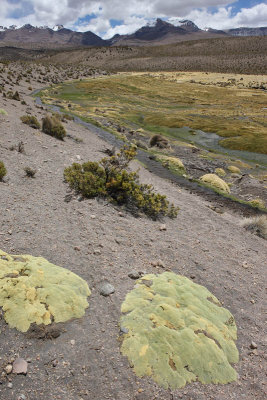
178	332
3	170
32	290
214	181
31	120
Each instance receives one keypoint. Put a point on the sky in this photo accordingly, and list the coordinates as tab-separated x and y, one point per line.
108	17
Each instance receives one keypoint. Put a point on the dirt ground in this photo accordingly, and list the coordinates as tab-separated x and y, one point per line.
101	244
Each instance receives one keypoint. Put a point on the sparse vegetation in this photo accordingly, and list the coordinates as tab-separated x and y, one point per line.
30	172
256	225
3	112
3	170
109	178
31	120
53	127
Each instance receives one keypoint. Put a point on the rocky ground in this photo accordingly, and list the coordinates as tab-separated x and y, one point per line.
101	243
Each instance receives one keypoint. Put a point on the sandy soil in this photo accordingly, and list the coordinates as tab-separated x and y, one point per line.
96	241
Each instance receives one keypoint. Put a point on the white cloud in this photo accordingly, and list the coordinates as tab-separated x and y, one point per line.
133	14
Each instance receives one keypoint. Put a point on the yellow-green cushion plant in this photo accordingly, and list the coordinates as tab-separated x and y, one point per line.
172	163
220	171
32	290
214	181
234	170
178	332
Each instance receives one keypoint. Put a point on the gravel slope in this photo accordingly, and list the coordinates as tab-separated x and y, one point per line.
96	241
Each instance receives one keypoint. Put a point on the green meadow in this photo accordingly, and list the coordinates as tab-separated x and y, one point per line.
167	102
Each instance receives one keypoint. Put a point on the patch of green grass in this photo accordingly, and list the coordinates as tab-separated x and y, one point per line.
162	106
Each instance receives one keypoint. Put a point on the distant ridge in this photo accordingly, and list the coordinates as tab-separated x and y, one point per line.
157	32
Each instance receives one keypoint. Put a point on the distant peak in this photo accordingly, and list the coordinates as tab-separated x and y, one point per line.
58	27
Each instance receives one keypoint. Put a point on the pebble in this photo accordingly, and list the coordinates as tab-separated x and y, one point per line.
21	397
163	227
253	345
10	385
107	289
97	252
72	342
77	248
20	366
8	369
134	275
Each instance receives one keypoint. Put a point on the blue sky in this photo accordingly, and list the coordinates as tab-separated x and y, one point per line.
108	17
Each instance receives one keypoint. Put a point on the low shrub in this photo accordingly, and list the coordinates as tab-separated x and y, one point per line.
53	127
109	178
31	120
3	170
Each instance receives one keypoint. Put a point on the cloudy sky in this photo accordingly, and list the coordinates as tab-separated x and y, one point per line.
108	17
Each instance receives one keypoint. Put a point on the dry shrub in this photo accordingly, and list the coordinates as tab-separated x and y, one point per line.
159	141
256	225
31	120
53	127
3	170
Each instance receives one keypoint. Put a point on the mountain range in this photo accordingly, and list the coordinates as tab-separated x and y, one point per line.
160	32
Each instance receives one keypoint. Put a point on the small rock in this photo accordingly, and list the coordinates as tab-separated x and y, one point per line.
21	397
123	330
20	366
72	342
8	369
97	252
78	157
77	248
163	227
134	275
253	345
10	385
107	289
55	363
93	216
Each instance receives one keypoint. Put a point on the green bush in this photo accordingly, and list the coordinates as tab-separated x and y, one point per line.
3	170
31	120
53	127
109	178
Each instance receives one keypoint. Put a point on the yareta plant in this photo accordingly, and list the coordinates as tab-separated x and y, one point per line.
178	332
32	290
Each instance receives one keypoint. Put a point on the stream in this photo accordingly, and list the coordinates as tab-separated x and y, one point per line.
157	168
